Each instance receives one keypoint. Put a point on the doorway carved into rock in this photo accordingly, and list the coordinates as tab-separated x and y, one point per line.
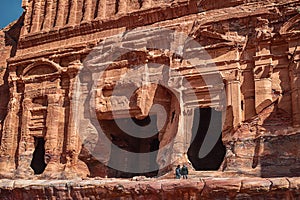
38	159
203	125
125	141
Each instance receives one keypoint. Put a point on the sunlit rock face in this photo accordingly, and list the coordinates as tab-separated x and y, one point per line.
121	89
206	188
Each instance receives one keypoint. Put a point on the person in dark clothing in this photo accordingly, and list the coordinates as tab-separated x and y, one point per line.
177	172
184	172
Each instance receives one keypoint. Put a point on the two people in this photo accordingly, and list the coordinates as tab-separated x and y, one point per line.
181	172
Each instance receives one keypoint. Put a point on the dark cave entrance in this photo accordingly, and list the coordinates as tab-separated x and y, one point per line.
123	140
38	160
214	159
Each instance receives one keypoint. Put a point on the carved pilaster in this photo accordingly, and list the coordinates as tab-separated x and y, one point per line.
73	13
62	13
47	25
27	21
110	8
55	135
122	6
263	84
188	121
233	94
263	65
36	17
73	137
78	11
294	72
9	138
101	14
26	144
89	8
74	143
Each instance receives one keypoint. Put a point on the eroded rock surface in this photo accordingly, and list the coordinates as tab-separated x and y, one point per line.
195	188
223	70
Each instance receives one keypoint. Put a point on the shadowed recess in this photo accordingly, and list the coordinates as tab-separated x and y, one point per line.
38	163
130	143
201	128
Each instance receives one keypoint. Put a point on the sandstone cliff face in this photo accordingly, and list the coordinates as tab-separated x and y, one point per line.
196	71
8	45
269	140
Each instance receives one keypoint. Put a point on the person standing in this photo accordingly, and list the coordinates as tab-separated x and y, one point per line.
184	171
177	172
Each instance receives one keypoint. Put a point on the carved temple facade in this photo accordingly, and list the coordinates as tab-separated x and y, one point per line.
249	80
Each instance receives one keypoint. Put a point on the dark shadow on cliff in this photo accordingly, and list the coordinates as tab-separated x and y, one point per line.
207	125
277	152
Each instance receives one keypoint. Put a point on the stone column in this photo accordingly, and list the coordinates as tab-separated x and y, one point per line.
233	95
26	143
72	140
62	13
263	93
248	92
27	21
188	121
110	8
122	6
262	76
9	140
55	133
36	16
74	166
263	65
79	12
172	141
234	99
294	68
73	13
101	9
42	14
186	137
48	22
51	16
89	8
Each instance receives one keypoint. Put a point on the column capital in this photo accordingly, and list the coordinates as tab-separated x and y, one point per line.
231	75
262	71
263	31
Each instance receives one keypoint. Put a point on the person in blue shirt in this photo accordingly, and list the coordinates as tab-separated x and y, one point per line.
177	172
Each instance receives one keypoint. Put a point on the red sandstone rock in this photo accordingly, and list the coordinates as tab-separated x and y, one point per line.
151	189
248	56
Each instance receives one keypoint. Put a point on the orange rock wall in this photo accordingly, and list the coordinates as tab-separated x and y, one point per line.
214	188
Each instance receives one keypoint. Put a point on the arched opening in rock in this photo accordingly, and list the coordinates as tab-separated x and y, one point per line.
124	136
204	124
38	160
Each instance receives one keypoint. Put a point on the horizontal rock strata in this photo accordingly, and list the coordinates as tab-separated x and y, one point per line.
200	188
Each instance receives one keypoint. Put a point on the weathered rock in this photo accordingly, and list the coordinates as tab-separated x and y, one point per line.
233	188
121	89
